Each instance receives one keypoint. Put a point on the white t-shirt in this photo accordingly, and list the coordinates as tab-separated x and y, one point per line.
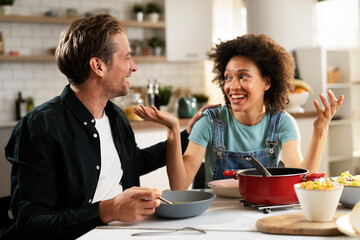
111	172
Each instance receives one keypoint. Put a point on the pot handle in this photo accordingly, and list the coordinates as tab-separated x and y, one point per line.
230	173
313	176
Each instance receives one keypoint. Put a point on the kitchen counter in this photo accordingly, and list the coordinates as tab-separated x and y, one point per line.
226	218
148	125
183	122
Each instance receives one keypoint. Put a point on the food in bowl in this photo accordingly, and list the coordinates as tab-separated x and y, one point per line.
319	204
188	204
347	179
320	185
225	188
351	192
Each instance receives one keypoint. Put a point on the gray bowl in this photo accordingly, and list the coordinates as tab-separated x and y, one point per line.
350	196
187	204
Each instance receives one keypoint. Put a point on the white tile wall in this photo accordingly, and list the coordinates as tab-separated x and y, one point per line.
43	81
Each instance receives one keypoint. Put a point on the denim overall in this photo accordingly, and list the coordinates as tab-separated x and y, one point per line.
229	160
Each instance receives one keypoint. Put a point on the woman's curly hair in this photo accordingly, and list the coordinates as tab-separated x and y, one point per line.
272	60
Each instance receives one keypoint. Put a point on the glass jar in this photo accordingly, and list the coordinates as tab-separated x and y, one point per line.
128	103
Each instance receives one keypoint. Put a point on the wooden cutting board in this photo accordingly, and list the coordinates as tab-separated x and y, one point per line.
296	224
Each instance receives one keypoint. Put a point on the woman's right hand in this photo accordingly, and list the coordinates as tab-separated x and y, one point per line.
154	115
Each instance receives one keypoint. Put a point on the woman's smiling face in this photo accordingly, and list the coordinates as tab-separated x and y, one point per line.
244	86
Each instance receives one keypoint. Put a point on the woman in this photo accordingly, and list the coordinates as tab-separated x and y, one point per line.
255	75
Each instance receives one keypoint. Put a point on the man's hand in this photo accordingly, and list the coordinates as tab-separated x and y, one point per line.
197	116
132	205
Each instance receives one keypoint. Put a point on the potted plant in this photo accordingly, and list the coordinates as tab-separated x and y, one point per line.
5	7
138	11
153	11
165	94
201	99
156	44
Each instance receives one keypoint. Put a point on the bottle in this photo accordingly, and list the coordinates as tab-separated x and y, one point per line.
21	107
29	104
2	46
156	95
150	96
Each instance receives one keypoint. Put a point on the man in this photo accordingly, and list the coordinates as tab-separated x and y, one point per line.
69	154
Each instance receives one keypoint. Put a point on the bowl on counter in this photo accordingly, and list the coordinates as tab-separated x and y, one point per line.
225	188
319	205
351	192
185	204
350	196
296	100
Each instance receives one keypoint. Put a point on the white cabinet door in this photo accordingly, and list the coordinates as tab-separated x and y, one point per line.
188	29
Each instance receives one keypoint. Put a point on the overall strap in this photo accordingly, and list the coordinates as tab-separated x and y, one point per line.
272	137
217	130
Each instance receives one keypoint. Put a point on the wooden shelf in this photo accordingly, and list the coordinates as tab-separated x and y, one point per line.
309	114
27	58
340	122
66	20
340	158
51	58
338	85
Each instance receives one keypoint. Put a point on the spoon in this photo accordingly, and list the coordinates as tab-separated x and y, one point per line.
256	164
164	200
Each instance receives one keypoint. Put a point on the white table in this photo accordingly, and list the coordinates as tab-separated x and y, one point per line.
225	219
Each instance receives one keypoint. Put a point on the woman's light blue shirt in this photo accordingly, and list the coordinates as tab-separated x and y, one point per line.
239	137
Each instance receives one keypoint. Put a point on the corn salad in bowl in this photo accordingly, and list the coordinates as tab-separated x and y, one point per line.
351	192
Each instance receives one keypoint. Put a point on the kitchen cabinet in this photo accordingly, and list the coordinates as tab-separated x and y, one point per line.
188	29
193	26
64	20
342	146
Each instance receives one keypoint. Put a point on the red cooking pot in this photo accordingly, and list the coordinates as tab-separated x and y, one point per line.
275	189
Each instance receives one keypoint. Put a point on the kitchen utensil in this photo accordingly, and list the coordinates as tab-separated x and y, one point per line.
319	205
256	164
185	229
225	187
185	204
187	107
277	189
164	200
296	224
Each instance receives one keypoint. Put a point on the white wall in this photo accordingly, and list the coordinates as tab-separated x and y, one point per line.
42	81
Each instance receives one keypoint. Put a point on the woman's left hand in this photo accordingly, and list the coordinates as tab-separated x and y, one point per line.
154	115
325	115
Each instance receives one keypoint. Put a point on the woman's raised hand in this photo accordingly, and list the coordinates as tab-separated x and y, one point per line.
154	115
325	115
